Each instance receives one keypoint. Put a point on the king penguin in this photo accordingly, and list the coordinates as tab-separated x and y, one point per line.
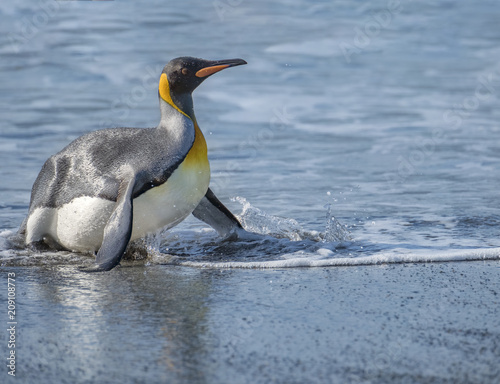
111	186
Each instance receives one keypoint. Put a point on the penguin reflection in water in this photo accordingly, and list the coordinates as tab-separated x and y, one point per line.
112	186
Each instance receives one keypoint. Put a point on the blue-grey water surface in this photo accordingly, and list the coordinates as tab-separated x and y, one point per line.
383	114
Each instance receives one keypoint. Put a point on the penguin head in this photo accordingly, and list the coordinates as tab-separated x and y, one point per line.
184	74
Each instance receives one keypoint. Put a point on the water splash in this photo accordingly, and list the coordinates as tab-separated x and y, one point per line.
257	221
145	247
334	230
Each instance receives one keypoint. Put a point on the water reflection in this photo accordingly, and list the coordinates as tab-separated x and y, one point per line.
136	322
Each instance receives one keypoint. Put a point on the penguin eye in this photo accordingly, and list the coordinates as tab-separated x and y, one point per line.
185	71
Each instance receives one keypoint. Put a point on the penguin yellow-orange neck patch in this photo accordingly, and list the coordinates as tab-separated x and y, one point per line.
164	89
197	155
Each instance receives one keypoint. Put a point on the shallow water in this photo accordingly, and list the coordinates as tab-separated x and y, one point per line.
361	133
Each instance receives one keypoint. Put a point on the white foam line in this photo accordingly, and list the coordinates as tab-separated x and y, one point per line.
452	255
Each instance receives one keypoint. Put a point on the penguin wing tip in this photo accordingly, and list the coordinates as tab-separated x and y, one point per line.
96	268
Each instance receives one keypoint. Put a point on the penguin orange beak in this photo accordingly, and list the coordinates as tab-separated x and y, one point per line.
219	65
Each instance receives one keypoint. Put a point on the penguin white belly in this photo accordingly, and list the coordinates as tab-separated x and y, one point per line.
168	204
77	225
80	223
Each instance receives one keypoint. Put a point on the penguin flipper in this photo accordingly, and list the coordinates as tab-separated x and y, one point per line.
117	231
211	211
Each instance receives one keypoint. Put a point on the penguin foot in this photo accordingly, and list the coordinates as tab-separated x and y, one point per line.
39	246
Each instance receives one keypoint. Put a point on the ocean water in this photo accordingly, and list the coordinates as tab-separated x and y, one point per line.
360	134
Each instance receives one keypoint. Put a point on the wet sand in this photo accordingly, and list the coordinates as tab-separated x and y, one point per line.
406	323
